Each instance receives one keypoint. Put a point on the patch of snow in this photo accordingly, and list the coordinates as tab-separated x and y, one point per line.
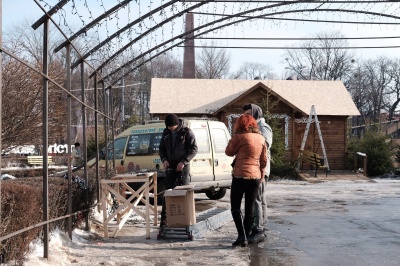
7	176
22	149
57	252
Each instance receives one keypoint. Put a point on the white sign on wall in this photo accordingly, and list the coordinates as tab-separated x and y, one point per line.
59	148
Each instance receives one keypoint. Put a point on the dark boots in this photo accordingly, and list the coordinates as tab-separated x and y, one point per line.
248	225
241	240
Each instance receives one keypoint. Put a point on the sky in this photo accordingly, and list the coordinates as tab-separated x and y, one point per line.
14	11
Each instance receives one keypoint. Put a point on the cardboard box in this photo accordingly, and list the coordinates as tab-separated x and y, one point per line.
180	206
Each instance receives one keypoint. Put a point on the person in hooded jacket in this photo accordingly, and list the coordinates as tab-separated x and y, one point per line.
177	147
250	151
76	154
260	221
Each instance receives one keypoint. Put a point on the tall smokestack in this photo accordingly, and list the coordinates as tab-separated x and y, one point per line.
188	54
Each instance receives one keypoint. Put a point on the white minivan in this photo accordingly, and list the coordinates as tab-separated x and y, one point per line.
137	150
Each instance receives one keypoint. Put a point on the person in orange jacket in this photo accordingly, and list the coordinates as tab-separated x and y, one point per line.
250	151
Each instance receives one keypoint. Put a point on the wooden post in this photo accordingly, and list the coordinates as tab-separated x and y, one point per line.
147	212
104	205
355	163
364	162
365	166
155	191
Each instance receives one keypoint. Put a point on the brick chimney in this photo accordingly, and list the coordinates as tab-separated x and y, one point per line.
188	54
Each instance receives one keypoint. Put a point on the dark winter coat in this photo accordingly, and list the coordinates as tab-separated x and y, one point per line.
185	147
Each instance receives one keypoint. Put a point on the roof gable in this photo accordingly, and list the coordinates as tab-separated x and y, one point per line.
202	96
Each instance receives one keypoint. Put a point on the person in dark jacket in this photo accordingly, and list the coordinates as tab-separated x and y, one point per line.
177	147
260	221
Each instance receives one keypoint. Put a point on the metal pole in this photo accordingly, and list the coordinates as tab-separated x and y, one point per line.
142	104
96	132
105	125
68	87
1	87
112	127
84	153
45	139
123	100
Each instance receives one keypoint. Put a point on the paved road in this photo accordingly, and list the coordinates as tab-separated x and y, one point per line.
332	223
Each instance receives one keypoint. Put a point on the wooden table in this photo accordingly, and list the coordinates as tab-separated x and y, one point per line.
118	186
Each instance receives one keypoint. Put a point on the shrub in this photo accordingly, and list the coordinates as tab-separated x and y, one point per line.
21	207
91	145
278	165
379	150
397	154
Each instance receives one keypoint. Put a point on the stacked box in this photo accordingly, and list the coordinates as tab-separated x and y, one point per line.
180	206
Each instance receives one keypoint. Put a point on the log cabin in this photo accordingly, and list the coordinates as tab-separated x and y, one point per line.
223	100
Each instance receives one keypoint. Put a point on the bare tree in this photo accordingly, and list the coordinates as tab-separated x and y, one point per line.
138	83
372	86
22	107
358	88
378	81
213	63
329	62
395	86
251	70
22	87
165	66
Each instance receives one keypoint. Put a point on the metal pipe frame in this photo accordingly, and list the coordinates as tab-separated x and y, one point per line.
117	33
69	109
47	17
45	142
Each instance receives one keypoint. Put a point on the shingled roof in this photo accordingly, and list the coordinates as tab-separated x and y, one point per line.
206	96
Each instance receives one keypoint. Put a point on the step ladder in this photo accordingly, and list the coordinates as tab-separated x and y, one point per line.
303	143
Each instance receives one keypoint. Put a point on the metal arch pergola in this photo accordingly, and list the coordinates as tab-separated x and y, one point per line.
107	80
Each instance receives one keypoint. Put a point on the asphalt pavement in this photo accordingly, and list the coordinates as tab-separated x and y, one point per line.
334	222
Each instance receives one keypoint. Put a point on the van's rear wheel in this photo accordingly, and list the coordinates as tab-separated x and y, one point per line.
216	194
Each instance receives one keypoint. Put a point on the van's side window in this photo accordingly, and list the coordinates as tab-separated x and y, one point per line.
220	140
144	144
155	145
119	148
138	145
202	140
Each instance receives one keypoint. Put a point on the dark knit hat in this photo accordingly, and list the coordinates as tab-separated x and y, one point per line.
246	107
171	120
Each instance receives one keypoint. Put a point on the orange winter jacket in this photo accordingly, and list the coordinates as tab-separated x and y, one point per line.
250	150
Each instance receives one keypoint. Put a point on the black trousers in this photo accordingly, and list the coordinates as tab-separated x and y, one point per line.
248	188
173	179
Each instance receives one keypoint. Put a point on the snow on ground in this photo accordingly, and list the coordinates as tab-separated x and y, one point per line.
7	176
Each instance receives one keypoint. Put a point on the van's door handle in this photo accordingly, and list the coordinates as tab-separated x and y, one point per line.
216	162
